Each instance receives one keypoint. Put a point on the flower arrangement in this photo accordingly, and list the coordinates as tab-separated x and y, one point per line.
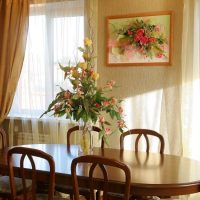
145	38
86	101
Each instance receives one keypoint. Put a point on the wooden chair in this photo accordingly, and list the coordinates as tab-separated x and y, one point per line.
31	191
103	163
145	133
67	189
5	189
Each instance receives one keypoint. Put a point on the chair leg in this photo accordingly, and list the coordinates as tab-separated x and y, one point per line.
98	195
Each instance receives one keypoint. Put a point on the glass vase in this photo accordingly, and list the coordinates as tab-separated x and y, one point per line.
86	140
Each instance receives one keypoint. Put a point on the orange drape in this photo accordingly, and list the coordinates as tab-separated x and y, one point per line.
14	16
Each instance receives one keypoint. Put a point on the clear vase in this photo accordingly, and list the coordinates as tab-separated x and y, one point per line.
86	140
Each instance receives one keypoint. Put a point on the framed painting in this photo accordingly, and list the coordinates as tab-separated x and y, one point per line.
139	40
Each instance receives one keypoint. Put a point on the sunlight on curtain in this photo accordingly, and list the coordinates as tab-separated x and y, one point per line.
191	79
134	108
55	32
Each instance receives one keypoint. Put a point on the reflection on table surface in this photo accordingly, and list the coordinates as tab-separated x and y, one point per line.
152	172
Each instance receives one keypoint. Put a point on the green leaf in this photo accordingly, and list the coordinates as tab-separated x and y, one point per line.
112	113
49	110
64	68
121	130
86	105
118	116
117	50
107	123
62	89
93	116
84	116
68	115
81	49
101	134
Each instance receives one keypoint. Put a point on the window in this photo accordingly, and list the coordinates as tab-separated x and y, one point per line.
55	32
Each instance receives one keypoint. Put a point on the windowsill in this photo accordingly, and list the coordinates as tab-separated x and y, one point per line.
37	118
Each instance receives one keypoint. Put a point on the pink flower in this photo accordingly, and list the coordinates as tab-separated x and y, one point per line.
84	74
140	32
57	107
120	109
106	103
113	101
137	38
79	92
159	55
101	119
67	94
70	102
121	123
128	47
107	131
91	72
144	40
130	32
157	28
140	50
152	39
129	52
68	72
97	105
110	84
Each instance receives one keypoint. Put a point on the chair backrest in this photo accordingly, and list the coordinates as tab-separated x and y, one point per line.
76	128
30	153
3	138
103	163
145	133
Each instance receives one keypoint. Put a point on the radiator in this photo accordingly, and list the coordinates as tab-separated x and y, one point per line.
27	138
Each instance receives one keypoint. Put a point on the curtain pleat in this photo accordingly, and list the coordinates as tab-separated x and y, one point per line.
191	78
14	27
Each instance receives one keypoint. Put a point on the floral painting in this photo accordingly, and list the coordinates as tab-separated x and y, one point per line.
143	39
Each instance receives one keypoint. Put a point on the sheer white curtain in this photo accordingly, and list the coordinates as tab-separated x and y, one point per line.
56	29
155	110
191	78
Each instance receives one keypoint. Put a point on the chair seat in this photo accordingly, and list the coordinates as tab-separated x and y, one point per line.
69	189
5	184
144	197
112	196
45	197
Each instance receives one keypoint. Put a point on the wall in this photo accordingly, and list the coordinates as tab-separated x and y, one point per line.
135	81
138	80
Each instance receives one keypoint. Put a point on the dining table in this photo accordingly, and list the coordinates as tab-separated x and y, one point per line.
151	173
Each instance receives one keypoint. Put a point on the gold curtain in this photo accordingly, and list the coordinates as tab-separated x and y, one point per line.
14	16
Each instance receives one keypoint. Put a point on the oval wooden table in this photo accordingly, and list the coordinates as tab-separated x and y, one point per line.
152	174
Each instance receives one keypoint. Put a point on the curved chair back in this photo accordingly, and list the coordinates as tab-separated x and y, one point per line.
30	153
103	163
145	133
76	128
3	138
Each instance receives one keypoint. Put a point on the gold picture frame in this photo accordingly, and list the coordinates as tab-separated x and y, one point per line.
143	39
